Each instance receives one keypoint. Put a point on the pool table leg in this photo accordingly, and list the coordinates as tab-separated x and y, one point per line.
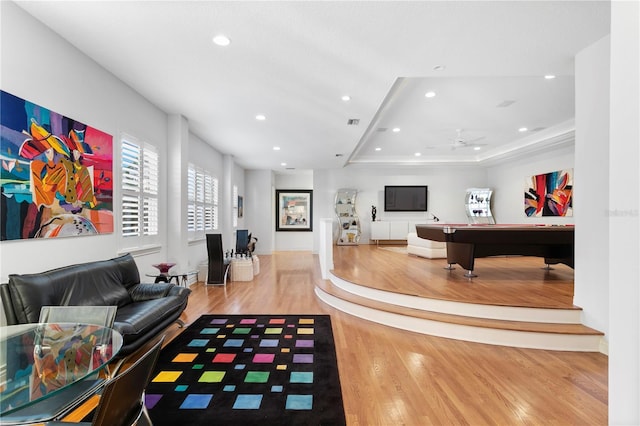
462	254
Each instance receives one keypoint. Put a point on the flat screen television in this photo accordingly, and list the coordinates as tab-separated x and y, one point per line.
405	198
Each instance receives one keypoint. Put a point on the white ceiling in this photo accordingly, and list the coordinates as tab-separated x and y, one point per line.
293	61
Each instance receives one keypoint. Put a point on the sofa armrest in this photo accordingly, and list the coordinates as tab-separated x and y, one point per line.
179	291
7	304
145	291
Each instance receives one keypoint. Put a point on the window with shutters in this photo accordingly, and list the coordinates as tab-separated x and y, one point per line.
202	203
139	184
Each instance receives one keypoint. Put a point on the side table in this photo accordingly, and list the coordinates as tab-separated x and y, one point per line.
181	277
241	269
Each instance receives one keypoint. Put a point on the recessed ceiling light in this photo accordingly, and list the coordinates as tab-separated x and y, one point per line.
395	129
222	40
276	148
430	94
476	148
283	164
417	154
439	68
522	129
346	98
378	149
549	77
260	117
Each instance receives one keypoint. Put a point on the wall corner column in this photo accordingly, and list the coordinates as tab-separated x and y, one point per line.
177	165
623	212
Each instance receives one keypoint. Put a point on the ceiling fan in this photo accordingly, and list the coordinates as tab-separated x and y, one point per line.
461	142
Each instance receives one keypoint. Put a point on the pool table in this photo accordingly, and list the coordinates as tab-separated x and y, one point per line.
465	243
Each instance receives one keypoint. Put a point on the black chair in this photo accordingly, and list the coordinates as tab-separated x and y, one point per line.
218	265
242	241
122	400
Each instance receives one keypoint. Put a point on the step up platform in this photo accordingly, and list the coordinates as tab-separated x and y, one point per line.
525	327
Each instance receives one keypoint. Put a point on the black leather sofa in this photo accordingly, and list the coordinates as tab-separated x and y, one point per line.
144	310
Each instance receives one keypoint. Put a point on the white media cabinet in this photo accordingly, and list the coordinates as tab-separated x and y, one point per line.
392	229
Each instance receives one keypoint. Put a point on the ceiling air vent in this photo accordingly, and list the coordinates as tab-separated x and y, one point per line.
537	129
506	103
381	129
353	121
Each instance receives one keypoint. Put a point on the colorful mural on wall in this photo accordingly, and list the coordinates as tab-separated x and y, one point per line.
56	176
549	194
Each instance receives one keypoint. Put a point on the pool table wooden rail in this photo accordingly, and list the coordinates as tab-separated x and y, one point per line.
465	243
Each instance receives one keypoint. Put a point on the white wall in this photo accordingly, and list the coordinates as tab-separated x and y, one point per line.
624	205
446	193
177	166
591	290
203	155
296	241
508	184
75	86
259	208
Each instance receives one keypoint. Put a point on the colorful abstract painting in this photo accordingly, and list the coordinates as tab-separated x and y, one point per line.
56	175
549	194
294	210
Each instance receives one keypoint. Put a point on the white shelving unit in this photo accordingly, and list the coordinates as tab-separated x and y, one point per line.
478	205
348	220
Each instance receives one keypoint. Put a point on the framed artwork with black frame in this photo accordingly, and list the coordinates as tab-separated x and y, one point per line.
294	210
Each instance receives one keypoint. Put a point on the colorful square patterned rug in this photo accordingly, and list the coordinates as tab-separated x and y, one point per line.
248	370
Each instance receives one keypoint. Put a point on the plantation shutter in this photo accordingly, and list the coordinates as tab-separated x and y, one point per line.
139	171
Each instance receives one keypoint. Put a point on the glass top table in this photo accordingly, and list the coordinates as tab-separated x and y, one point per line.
48	362
181	277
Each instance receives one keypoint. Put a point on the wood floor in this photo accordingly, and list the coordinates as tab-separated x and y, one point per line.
507	281
396	377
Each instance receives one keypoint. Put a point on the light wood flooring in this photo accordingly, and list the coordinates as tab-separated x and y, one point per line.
395	377
509	281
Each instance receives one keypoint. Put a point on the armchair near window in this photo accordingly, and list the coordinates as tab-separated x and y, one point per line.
218	265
